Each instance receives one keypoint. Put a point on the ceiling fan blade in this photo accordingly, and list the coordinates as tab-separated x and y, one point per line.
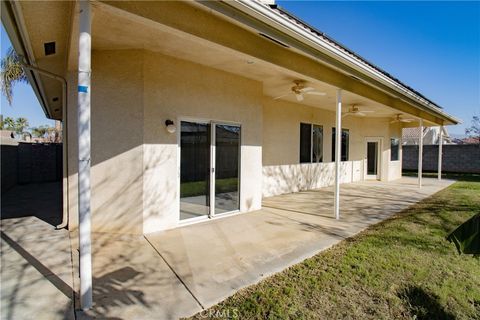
307	89
360	114
316	93
394	121
283	95
406	120
346	114
299	96
367	111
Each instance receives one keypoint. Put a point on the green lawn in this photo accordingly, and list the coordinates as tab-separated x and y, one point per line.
196	188
402	268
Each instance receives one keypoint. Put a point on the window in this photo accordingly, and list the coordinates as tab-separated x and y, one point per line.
311	143
344	148
394	149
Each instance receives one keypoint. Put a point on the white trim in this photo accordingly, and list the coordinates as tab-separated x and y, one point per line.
211	214
379	141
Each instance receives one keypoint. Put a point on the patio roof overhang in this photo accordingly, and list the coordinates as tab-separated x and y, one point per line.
250	44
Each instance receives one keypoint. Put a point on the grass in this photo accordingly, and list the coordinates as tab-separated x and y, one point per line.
448	175
402	268
196	188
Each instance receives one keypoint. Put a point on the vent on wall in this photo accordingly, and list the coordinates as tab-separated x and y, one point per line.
49	48
274	40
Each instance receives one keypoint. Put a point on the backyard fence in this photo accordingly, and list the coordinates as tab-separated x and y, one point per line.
459	158
30	163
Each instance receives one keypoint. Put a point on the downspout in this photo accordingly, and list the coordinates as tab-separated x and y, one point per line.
54	76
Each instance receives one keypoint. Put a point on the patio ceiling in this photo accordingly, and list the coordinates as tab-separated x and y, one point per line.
199	34
113	30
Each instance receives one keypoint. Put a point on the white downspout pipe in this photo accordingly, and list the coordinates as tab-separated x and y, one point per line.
84	73
420	154
338	154
51	75
440	153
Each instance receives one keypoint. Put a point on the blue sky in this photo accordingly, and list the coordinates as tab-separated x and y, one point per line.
433	47
25	103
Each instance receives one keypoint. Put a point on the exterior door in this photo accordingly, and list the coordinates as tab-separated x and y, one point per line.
209	169
372	161
195	141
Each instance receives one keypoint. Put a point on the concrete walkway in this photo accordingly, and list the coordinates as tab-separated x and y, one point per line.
217	258
36	261
36	271
177	273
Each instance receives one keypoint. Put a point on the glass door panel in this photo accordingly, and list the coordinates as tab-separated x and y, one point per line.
372	157
194	170
227	156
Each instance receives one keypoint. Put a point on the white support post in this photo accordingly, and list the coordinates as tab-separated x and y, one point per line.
84	73
338	154
420	154
440	153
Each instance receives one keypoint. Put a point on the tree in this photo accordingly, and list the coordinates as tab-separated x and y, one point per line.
9	124
20	125
40	131
474	130
11	73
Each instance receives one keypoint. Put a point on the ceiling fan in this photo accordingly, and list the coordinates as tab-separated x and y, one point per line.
299	90
355	111
398	118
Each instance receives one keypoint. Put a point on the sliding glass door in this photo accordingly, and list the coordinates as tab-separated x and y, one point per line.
195	141
209	169
227	155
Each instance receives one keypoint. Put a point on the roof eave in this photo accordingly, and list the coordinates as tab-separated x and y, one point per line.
263	13
16	34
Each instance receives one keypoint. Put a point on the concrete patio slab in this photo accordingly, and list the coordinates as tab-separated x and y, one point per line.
176	273
36	272
217	258
131	281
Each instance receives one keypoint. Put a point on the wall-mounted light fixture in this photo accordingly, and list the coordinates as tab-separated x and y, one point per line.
170	125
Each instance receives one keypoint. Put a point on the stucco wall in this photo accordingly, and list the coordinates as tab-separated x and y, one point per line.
135	172
282	172
116	142
135	161
176	89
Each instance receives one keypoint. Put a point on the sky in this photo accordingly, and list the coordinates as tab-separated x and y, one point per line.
434	47
25	103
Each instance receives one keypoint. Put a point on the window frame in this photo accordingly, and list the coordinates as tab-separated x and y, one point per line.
347	156
398	148
311	125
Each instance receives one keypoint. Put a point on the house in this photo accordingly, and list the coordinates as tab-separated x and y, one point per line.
191	110
431	135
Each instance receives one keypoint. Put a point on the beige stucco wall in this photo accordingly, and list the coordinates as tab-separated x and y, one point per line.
135	165
176	89
116	142
135	161
282	172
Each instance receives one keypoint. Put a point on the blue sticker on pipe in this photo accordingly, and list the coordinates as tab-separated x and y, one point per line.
83	89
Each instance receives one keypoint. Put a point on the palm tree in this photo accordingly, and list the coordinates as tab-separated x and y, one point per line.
9	124
20	125
40	131
11	73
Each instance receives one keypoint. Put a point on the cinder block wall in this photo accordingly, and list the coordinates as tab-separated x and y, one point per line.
462	158
9	174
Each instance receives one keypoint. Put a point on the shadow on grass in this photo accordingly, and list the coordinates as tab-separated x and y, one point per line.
423	305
